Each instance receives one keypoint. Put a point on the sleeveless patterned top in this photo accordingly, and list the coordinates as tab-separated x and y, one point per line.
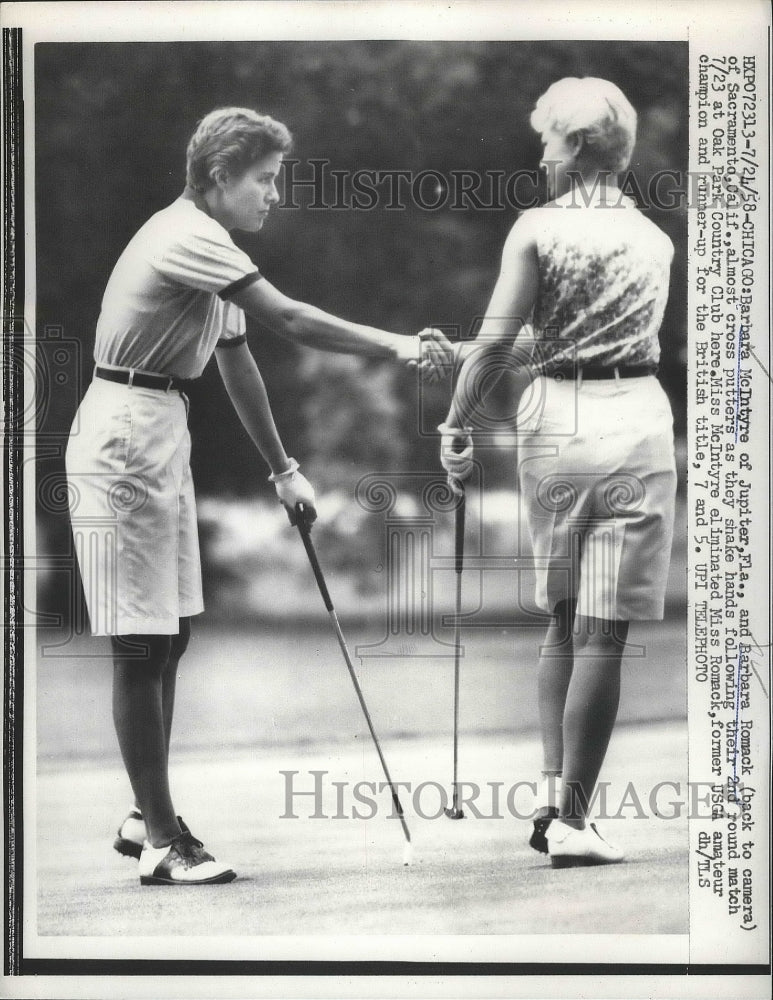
603	281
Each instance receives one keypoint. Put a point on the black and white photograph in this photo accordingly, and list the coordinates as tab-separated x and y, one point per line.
389	458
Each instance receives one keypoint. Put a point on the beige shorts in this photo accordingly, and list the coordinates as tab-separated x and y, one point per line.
598	481
133	511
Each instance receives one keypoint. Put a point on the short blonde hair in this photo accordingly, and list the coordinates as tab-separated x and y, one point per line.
597	111
232	139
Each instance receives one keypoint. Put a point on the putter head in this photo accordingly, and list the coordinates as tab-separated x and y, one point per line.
454	812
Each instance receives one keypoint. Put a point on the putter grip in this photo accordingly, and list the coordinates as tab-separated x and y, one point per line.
303	528
459	534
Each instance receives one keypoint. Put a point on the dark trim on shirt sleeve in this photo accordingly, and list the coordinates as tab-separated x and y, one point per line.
233	341
239	284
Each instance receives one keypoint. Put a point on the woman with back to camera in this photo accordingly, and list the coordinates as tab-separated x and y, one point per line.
596	453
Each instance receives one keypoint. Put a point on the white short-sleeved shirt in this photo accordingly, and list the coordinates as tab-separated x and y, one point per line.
603	280
166	304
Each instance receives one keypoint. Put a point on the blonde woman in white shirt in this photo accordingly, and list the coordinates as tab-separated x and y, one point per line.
596	456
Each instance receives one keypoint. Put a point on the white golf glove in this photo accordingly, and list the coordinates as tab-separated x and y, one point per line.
456	454
293	488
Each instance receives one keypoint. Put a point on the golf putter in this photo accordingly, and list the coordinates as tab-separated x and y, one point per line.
298	518
455	811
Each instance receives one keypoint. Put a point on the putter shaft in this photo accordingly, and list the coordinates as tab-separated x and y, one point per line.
457	647
303	528
366	713
456	812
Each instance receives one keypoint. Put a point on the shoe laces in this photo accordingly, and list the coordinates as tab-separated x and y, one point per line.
186	829
189	850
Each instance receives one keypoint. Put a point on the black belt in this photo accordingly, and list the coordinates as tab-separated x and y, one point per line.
600	372
143	380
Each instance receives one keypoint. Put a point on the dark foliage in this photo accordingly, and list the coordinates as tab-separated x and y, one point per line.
112	122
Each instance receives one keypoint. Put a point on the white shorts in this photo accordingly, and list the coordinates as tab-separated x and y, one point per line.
133	510
598	480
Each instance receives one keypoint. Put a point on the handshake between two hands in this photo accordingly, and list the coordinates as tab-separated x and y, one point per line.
430	353
436	360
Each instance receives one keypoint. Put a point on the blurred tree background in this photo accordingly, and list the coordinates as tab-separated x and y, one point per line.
112	124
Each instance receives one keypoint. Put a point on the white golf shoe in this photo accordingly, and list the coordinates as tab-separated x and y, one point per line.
183	862
570	848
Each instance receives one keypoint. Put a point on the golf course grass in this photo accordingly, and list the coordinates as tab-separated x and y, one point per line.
258	712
